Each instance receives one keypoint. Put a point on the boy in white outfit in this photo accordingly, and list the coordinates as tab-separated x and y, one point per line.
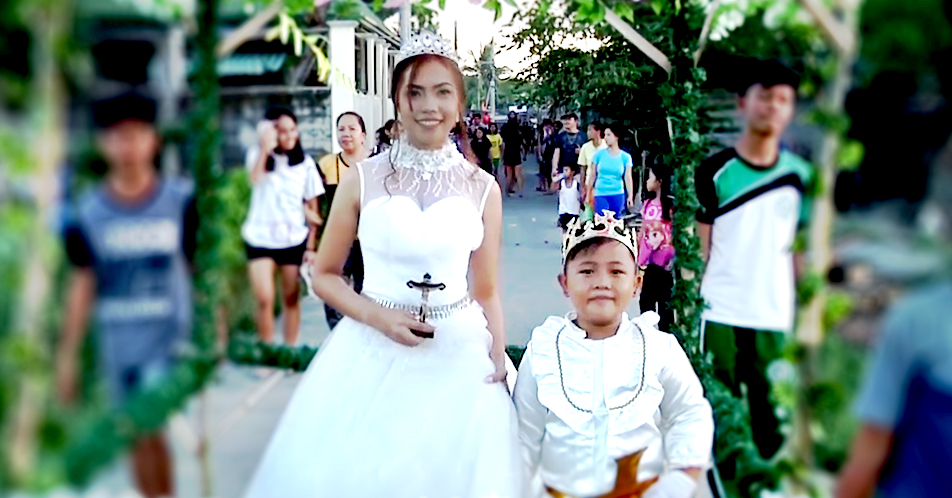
609	406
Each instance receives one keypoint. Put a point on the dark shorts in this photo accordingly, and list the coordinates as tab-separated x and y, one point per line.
281	257
512	156
565	219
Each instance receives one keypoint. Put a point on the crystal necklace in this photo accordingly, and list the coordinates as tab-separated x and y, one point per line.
426	161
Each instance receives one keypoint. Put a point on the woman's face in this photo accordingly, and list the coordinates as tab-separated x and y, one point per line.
287	132
493	129
610	138
349	134
480	134
429	106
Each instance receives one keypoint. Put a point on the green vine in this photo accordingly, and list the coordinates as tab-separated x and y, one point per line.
254	352
101	441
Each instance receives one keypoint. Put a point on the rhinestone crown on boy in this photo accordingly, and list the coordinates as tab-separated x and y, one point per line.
426	43
600	226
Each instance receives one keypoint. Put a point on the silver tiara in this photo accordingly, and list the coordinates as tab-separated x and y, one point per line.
426	43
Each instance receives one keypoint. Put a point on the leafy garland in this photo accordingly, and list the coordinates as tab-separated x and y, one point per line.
254	352
145	412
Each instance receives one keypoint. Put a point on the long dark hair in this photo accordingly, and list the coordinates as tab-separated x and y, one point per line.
409	67
663	173
295	155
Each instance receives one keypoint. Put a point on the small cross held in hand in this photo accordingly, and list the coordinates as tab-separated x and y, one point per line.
425	287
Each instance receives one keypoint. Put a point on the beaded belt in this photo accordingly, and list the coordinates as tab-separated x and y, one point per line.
424	312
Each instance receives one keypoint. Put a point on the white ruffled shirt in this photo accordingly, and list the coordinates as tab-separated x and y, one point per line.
582	405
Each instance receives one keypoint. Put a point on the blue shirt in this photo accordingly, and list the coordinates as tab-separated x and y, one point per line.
610	172
909	391
140	256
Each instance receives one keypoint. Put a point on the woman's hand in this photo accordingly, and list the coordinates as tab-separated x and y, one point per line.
499	361
631	204
398	325
267	136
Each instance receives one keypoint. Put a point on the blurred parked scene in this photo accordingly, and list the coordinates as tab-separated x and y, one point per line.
168	170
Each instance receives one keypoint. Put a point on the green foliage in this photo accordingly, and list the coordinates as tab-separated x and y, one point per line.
99	443
494	6
850	155
909	36
423	17
808	286
839	306
840	369
237	301
255	352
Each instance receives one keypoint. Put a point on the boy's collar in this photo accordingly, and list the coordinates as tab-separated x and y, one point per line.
580	333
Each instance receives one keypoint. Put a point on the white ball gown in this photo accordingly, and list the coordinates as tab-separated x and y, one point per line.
374	418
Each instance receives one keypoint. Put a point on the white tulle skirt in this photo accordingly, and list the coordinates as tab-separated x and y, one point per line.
373	418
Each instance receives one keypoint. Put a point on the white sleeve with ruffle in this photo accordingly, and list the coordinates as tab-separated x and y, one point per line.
687	422
531	421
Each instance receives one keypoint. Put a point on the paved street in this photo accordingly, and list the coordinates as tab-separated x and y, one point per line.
244	404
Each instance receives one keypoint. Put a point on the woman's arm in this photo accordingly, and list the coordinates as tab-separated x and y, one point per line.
257	171
867	457
312	212
484	267
313	222
590	183
328	271
267	141
629	186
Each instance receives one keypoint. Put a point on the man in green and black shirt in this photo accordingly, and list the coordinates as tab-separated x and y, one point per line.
753	198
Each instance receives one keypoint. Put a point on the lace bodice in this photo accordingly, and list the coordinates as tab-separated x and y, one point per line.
421	213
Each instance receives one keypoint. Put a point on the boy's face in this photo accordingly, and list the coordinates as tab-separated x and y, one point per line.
592	133
601	282
768	111
567	171
570	125
129	143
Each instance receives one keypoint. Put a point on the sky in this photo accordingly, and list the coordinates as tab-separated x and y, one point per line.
475	28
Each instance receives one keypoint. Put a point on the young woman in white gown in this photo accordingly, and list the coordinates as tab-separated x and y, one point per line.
381	411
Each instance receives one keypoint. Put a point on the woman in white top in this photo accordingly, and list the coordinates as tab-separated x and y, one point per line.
277	233
405	398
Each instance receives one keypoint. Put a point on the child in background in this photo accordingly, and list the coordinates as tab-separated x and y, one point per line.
609	406
495	149
656	253
570	196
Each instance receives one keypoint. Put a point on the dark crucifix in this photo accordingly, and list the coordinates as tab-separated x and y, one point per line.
425	287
